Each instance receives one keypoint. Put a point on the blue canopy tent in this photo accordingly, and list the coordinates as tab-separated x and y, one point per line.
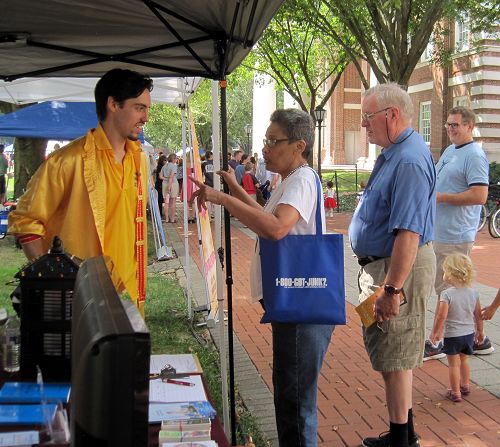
54	120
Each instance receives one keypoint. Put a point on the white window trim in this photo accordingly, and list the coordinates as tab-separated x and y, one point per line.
462	28
422	121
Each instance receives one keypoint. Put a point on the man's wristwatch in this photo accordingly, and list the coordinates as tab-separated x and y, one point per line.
391	290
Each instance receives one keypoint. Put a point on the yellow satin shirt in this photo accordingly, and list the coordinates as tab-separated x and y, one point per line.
81	194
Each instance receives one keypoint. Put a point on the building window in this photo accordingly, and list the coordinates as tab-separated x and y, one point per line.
425	121
462	34
461	101
427	54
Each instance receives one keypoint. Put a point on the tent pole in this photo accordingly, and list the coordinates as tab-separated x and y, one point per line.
218	243
229	266
187	261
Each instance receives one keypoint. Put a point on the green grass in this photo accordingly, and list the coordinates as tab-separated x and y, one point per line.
11	261
348	186
173	333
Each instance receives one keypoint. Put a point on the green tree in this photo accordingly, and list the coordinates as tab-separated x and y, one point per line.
299	56
391	35
29	154
164	128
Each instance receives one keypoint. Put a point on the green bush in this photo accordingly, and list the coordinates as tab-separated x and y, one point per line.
494	173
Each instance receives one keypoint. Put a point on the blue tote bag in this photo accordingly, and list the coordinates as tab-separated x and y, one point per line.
303	277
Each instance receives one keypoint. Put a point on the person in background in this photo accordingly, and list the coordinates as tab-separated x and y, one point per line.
458	319
462	187
189	191
235	158
170	187
391	234
240	169
4	166
298	349
359	194
162	161
180	172
249	181
207	169
91	192
330	202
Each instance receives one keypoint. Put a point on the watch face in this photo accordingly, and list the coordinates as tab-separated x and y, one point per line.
391	290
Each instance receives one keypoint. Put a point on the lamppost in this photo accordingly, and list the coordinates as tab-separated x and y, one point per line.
248	130
320	115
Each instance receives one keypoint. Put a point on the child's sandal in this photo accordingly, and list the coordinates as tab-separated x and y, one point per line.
454	397
465	390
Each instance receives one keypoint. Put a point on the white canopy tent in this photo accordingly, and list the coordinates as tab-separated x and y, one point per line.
56	49
173	91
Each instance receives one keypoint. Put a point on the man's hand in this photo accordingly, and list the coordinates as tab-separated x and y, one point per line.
386	307
488	312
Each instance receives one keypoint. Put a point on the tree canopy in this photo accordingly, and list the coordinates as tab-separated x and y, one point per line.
391	35
299	57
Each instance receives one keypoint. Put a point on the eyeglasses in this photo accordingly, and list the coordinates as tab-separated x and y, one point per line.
453	125
368	116
269	142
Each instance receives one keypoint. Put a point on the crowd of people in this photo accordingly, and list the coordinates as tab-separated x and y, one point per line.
412	229
391	233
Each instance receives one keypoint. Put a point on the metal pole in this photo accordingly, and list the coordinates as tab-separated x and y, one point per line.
337	191
319	149
229	265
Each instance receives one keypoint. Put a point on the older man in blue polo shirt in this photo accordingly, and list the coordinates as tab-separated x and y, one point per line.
391	233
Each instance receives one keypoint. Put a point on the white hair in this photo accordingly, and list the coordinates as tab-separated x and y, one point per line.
392	95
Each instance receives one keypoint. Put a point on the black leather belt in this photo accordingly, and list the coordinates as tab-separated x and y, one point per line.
367	259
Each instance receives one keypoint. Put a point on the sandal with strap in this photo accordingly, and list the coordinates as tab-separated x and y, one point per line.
465	390
454	397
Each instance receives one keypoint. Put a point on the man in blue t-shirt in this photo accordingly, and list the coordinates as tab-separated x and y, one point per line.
391	233
462	187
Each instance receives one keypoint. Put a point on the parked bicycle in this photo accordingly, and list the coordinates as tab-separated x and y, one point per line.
490	212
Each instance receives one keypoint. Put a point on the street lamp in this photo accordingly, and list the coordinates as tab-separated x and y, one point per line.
320	115
248	130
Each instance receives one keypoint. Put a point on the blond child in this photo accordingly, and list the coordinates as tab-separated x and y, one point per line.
459	320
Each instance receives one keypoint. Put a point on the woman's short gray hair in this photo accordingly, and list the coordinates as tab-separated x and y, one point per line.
297	125
392	95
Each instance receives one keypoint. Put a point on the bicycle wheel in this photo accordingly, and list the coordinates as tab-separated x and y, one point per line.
483	217
494	226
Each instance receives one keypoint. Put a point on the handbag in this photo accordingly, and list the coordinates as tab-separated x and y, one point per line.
303	277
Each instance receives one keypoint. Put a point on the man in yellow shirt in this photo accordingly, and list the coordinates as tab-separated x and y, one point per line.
92	193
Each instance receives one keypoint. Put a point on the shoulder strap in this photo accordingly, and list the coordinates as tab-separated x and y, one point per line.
319	226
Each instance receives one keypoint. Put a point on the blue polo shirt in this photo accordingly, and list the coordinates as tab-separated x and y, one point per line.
458	169
400	194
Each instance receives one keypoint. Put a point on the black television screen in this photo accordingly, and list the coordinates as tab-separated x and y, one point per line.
110	364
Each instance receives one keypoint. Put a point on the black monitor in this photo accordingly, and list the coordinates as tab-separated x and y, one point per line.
110	364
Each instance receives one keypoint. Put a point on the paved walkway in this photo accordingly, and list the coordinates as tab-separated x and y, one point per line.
351	396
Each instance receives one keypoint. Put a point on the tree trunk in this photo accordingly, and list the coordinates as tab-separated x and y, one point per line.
29	154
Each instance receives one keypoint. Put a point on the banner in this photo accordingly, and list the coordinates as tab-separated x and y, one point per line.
209	268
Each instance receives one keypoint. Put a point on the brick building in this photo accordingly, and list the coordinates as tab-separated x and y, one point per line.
472	79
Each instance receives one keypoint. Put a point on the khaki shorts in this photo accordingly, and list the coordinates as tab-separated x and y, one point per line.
173	192
443	250
398	344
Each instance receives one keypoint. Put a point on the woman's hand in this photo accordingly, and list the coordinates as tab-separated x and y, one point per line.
205	194
229	177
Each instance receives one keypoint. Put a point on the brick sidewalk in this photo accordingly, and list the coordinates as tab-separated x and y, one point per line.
351	396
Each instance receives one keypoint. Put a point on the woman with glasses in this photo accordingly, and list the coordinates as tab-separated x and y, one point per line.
298	349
